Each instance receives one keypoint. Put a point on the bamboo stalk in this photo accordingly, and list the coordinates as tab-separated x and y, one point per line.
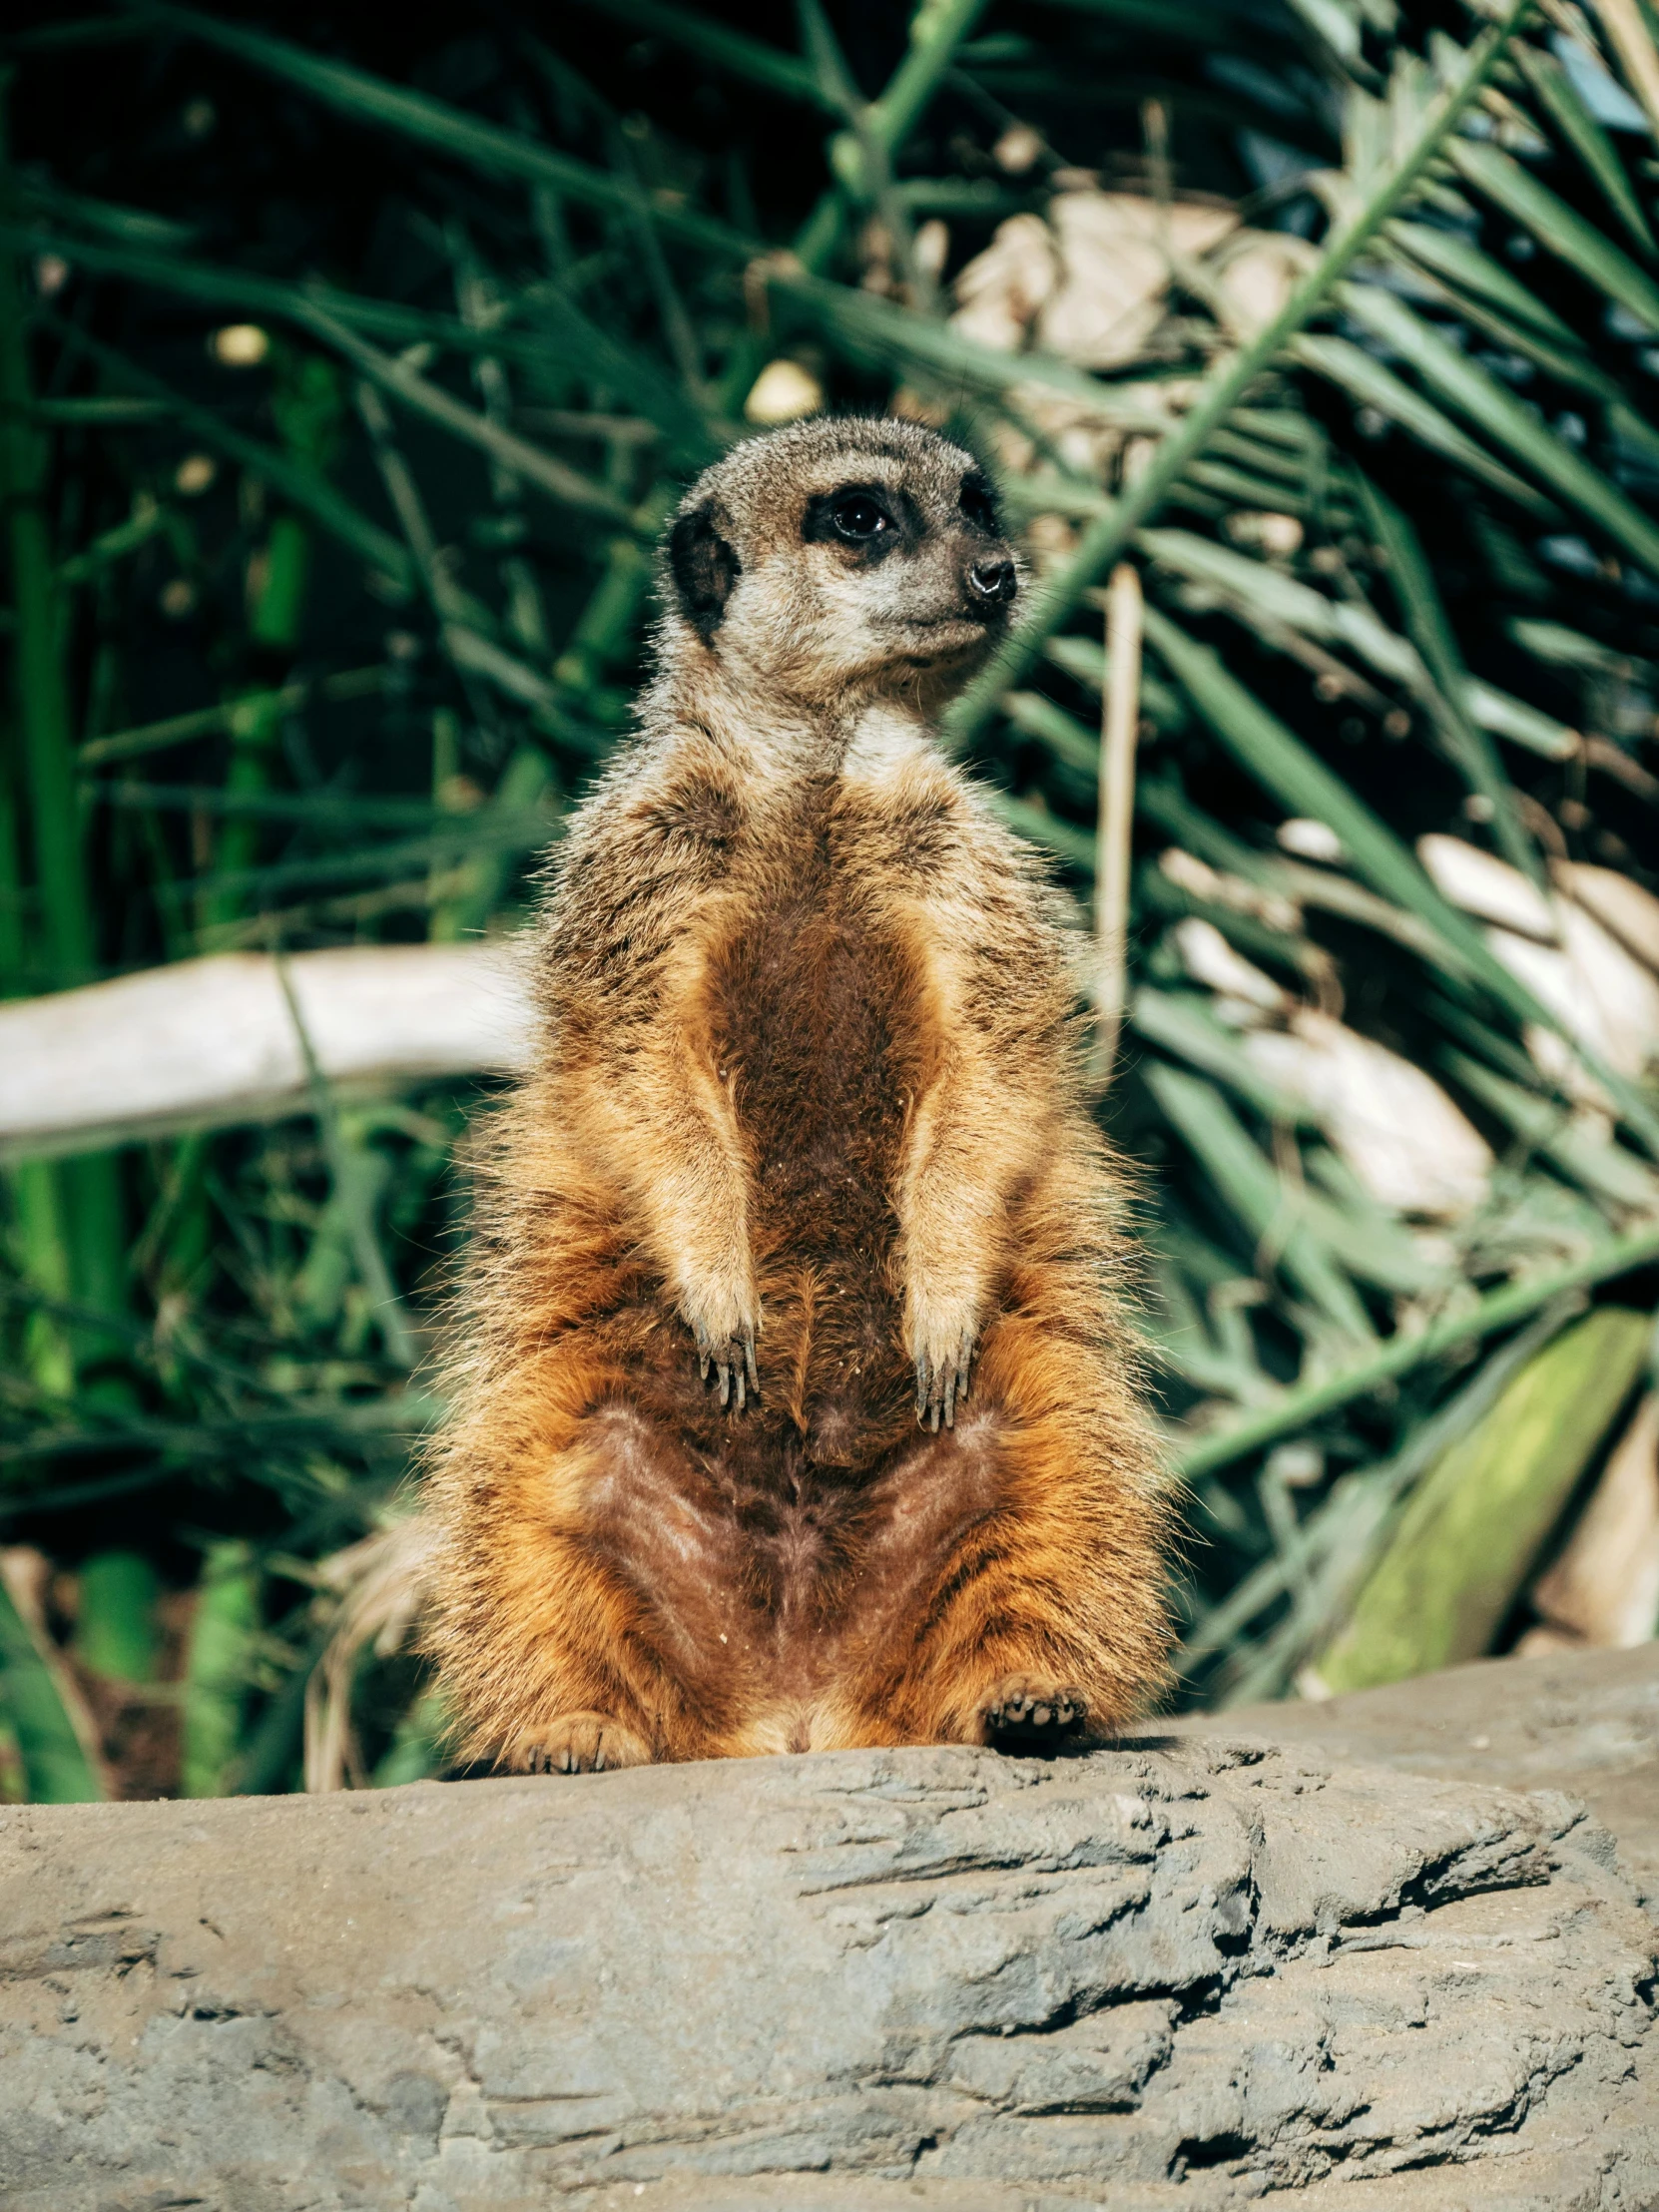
217	1668
1468	1539
155	737
1120	717
307	408
118	1636
74	1228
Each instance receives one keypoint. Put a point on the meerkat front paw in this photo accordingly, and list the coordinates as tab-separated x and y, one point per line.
724	1329
576	1743
943	1339
733	1358
1027	1712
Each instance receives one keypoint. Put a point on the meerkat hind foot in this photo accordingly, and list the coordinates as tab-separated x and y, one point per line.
577	1743
1024	1712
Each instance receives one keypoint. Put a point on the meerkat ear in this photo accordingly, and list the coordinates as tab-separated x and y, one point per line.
703	568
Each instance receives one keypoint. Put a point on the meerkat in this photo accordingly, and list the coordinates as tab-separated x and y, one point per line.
797	1407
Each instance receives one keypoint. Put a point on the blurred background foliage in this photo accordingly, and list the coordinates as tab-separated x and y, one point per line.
349	359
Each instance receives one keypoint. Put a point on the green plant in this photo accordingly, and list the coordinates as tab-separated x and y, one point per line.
1380	448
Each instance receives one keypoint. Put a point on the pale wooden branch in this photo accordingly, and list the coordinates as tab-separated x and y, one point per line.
206	1043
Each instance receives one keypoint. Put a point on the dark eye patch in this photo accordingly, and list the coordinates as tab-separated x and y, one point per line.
865	519
978	504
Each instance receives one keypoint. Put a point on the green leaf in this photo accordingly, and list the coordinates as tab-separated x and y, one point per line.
1449	254
58	1766
1181	1022
1373	384
1559	97
752	59
1301	1409
1305	786
1349	1520
1560	229
1262	597
548	473
1432	634
302	487
1466	385
625	369
1274	1216
1544	1126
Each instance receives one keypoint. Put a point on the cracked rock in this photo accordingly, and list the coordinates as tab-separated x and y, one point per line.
1179	1973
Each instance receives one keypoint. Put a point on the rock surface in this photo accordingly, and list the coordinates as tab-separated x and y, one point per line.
1176	1974
1583	1722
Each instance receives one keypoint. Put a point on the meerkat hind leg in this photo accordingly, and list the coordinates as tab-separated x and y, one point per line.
1027	1712
577	1743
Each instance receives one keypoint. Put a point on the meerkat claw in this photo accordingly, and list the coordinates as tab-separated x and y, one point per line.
942	1386
733	1361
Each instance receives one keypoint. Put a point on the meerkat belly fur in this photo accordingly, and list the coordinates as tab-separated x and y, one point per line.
796	1403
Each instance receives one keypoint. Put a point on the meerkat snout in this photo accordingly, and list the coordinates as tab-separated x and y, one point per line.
841	558
991	583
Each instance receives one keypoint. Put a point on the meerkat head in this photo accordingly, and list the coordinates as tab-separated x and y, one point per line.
840	558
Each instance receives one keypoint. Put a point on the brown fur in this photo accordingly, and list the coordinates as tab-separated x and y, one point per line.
810	1072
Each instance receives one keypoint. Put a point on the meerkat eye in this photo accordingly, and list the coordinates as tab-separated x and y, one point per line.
980	507
858	517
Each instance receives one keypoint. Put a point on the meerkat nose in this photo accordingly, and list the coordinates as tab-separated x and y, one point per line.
992	580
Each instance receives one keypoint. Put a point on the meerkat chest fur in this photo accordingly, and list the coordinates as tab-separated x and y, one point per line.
797	1405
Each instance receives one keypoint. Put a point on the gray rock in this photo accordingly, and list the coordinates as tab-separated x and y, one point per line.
1585	1722
928	1978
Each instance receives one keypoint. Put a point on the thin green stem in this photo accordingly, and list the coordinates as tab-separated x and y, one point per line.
1301	1408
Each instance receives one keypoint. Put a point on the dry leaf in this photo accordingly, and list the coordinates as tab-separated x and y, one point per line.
1624	907
1394	1125
1209	959
1257	275
1486	888
1001	288
783	392
381	1583
1115	251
